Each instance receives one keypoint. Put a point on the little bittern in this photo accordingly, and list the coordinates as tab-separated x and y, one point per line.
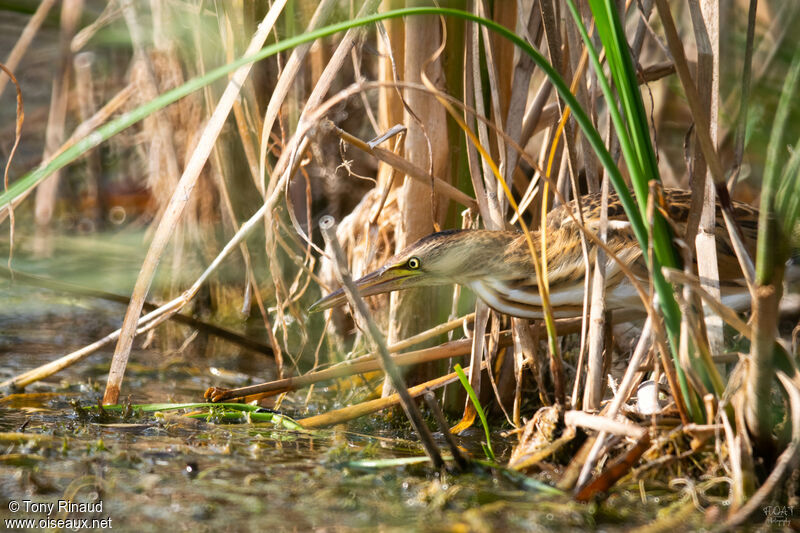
497	265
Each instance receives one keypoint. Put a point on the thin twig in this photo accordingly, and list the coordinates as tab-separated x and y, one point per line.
408	168
436	411
328	227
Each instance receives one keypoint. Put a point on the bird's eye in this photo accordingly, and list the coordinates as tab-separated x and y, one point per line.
413	263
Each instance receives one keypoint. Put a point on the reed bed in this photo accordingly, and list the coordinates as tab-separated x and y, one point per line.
246	123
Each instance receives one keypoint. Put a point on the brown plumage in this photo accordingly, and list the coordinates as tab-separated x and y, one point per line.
497	265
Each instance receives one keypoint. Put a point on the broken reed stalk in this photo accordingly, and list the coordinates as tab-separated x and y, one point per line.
361	365
328	227
368	363
411	170
705	21
603	424
352	412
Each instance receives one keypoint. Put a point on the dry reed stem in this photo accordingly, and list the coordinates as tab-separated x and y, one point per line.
111	13
409	169
175	208
47	190
162	163
25	39
18	121
355	411
432	332
525	352
489	206
427	145
702	130
367	243
645	8
603	424
160	314
579	58
438	415
361	365
556	50
734	449
703	432
477	351
243	128
80	132
622	393
529	22
87	106
328	227
484	208
744	102
524	346
593	391
494	218
498	92
284	84
702	212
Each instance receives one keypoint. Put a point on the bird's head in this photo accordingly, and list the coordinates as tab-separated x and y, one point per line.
453	256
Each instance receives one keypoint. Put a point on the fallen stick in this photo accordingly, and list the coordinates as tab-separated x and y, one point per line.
603	424
366	363
354	411
362	365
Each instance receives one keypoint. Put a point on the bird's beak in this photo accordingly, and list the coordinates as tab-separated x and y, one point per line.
381	281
